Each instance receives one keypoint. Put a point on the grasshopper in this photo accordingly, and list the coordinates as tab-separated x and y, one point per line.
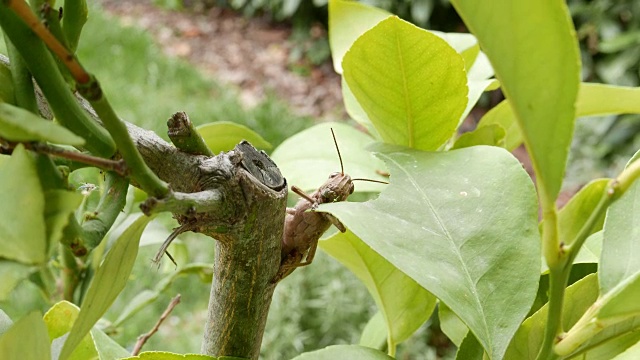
303	226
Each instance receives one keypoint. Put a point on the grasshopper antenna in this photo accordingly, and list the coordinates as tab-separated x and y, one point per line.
342	165
371	180
337	148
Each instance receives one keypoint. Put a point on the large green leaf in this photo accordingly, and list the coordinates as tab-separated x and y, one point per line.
108	282
26	340
411	83
344	352
528	339
309	157
404	304
533	49
463	224
22	226
224	135
347	21
17	124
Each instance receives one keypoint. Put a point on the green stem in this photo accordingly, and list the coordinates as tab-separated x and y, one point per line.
185	136
62	102
554	256
140	172
98	223
557	284
75	16
24	12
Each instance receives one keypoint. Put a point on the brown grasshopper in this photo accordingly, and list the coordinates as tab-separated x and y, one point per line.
303	226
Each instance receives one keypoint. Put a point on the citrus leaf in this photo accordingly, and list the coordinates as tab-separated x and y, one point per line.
604	99
632	353
404	304
375	332
620	254
59	320
539	72
619	100
107	348
224	135
528	339
108	282
26	340
11	274
411	83
17	124
347	21
451	324
492	135
463	224
502	115
22	227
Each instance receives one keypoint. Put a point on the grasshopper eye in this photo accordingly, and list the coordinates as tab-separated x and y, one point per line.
334	174
351	189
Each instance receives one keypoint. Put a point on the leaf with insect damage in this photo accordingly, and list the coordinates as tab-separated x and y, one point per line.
464	225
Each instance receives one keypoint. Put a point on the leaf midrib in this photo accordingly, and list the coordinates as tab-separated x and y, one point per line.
466	273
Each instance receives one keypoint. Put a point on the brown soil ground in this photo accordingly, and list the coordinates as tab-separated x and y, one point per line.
252	54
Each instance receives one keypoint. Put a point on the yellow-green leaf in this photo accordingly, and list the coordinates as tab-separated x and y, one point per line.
108	282
411	83
22	226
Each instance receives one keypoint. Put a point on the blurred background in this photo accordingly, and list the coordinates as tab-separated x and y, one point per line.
266	64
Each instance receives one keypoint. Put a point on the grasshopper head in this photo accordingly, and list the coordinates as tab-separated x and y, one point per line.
337	188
